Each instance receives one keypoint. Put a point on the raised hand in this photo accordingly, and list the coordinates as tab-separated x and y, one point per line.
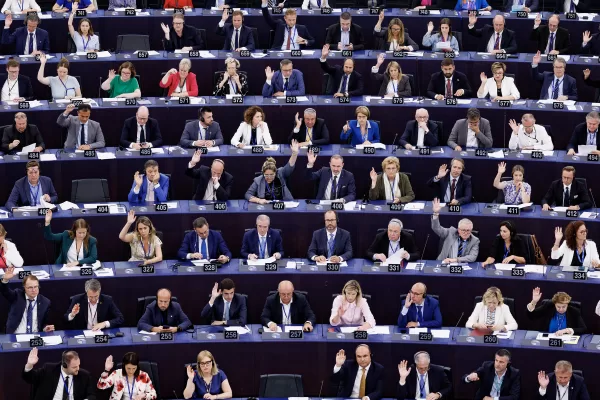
442	171
75	309
111	74
536	295
108	364
269	73
48	217
537	58
402	370
190	372
298	120
9	274
586	73
586	37
483	77
225	15
131	217
33	359
436	206
139	179
346	127
380	59
381	16
373	174
164	28
513	125
472	18
43	56
473	377
538	19
312	157
502	167
196	157
325	51
340	358
215	292
408	301
295	146
430	27
558	234
543	379
8	20
70	107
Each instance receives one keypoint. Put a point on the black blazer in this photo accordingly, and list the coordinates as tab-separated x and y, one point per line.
578	195
545	311
151	131
463	192
245	39
237	311
30	135
411	134
384	45
436	378
517	248
593	46
508	42
381	244
204	175
403	89
437	85
562	39
367	3
190	37
346	184
355	85
595	84
577	389
279	26
300	311
345	377
579	136
25	88
107	311
334	36
320	133
511	385
45	380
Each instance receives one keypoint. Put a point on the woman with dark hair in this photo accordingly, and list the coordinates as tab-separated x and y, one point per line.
84	38
208	381
444	40
129	382
77	246
576	250
507	248
125	85
145	244
395	38
558	316
254	131
63	85
393	82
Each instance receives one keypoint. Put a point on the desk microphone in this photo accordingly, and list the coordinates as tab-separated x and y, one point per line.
424	247
321	390
394	147
592	195
456	326
175	393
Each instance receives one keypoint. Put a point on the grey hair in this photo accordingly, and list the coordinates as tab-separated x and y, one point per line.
93	285
591	115
465	221
185	61
263	217
422	355
560	61
396	221
20	115
310	111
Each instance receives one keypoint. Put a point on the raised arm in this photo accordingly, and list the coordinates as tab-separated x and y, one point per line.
40	76
123	235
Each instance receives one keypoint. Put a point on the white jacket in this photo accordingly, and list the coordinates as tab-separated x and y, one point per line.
12	255
508	88
244	134
591	253
502	317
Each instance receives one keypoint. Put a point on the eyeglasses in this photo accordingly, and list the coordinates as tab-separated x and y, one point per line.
205	364
416	293
269	175
330	220
584	231
465	230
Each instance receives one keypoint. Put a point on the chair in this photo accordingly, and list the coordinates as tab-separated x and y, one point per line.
143	302
202	33
549	130
414	91
327	85
529	251
151	368
510	75
89	191
442	139
165	91
500	198
509	301
131	43
578	372
170	192
271	38
305	293
255	36
281	385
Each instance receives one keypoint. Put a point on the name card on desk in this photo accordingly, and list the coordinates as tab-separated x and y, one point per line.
326	10
237	100
145	152
162	207
501	56
553	342
145	337
456	269
130	12
504	103
480	153
537	155
579	275
572	213
424	11
517	272
24	274
291	100
425	336
368	150
337	206
292	334
450	54
142	54
81	13
522	14
374	11
296	53
194	54
132	102
86	271
245	53
36	342
399	54
202	335
571	15
346	53
396	207
23	105
184	100
397	100
558	105
147	269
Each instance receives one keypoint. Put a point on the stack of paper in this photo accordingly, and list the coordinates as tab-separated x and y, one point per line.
147	333
496	154
104	272
416	331
193	100
291	204
349	206
241	330
66	268
396	258
32	103
90	333
48	157
503	335
412	265
585	149
550	101
206	54
342	264
289	328
535	269
505	206
588	215
266	329
26	150
105	155
504	267
415	206
377	330
67	205
441	333
567	339
158	150
376	145
262	261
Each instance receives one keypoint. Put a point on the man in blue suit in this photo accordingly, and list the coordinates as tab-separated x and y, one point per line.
29	310
347	372
155	186
204	244
99	310
330	243
555	85
225	307
454	188
288	35
206	132
334	183
27	39
285	82
141	131
420	310
164	315
262	242
32	189
237	35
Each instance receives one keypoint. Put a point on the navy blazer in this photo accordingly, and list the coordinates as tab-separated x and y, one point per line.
279	26
508	42
250	243
581	7
153	317
578	195
20	195
463	192
245	39
19	38
25	88
216	245
237	311
533	5
334	36
319	133
546	77
437	85
355	82
346	185
106	310
190	37
46	379
344	380
342	245
204	175
562	39
579	137
295	84
432	316
18	303
577	388
160	194
191	133
436	379
411	134
511	384
151	131
300	311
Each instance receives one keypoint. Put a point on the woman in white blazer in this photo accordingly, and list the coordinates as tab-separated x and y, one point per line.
20	7
128	382
9	255
492	313
501	87
254	131
576	250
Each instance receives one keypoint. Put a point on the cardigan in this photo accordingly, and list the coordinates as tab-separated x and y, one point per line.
90	254
191	86
378	192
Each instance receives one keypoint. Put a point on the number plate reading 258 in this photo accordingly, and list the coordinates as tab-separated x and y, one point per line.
361	335
425	336
295	334
166	336
333	267
271	267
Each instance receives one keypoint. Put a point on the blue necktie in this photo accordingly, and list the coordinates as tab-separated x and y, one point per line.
203	250
237	39
285	85
567	199
226	313
319	3
572	9
30	43
330	245
422	385
551	43
420	315
262	247
29	317
333	194
592	139
461	247
82	135
555	89
344	80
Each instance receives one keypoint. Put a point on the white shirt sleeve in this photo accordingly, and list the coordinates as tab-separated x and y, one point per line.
336	369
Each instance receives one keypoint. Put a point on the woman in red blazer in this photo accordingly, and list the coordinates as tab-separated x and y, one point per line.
181	83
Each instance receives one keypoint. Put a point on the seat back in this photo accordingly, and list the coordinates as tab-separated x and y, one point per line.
500	197
575	304
327	85
528	245
202	33
281	385
255	36
549	130
442	139
414	90
143	302
509	301
170	191
151	368
89	191
271	38
131	43
510	75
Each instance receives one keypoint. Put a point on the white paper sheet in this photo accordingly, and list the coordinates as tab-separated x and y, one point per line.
441	333
550	101
560	208
52	340
206	54
325	202
505	206
113	99
32	103
291	265
349	206
193	100
257	55
289	328
105	155
342	264
241	330
91	333
414	54
376	145
273	147
595	275
147	333
496	154
416	331
412	266
67	205
199	263
291	204
103	54
262	261
266	329
588	215
26	149
547	153
459	101
567	339
394	259
535	269
503	335
71	269
104	272
158	150
150	52
41	274
122	9
414	206
48	157
584	149
504	267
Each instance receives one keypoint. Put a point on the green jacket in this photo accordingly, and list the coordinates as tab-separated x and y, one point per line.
90	254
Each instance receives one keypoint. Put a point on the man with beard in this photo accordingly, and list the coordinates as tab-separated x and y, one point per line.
448	83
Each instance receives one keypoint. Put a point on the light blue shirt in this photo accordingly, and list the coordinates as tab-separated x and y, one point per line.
592	138
345	38
36	193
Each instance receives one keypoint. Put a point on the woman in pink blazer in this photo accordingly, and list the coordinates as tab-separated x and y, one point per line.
181	83
350	308
127	380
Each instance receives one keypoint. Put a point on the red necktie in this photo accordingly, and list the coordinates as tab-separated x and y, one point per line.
448	88
425	2
452	189
497	44
289	41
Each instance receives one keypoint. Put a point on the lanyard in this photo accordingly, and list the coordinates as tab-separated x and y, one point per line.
37	193
581	256
392	187
394	87
233	86
66	388
591	138
146	255
292	32
286	316
21	4
262	246
65	86
561	395
93	315
132	389
506	251
182	85
10	88
270	189
392	248
85	44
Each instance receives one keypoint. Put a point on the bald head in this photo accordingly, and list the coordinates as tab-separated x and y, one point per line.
286	291
499	23
142	115
163	299
421	113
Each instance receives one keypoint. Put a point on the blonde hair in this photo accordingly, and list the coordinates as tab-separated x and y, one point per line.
561	297
355	286
390	160
363	110
492	293
205	353
269	165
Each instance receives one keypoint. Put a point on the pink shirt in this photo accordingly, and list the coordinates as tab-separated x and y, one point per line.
353	314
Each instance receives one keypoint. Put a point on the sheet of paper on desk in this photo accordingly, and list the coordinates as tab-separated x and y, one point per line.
26	149
589	16
349	206
41	274
308	52
105	155
67	268
588	215
147	333
503	335
567	339
158	150
394	259
571	108
241	330
104	54
48	157
91	333
298	398
150	52
505	206
67	205
262	261
595	275
123	9
550	101
585	149
298	98
496	154
172	204
441	333
459	101
412	266
289	328
258	55
199	263
52	340
535	269
560	208
32	103
376	145
414	54
414	206
25	338
113	99
342	264
206	54
504	267
379	330
266	329
325	202
16	271
291	204
273	147
416	331
27	208
104	272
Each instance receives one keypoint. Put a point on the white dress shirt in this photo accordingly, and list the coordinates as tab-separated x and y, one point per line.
472	138
313	4
92	315
58	395
26	49
10	90
22	328
199	244
562	392
561	82
421	137
328	188
345	37
356	387
392	87
567	8
72	254
538	138
138	135
393	245
418	393
266	246
85	134
286	316
492	42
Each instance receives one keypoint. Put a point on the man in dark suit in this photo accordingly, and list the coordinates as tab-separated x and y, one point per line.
204	244
14	86
214	183
285	82
590	43
21	134
164	315
287	307
262	242
420	132
310	130
555	85
237	35
560	382
29	39
448	83
423	379
330	243
497	379
334	183
346	81
347	373
567	192
551	39
99	310
454	188
32	189
141	131
345	35
419	310
528	5
206	132
181	36
225	307
494	39
29	309
50	381
388	243
581	6
585	134
288	35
